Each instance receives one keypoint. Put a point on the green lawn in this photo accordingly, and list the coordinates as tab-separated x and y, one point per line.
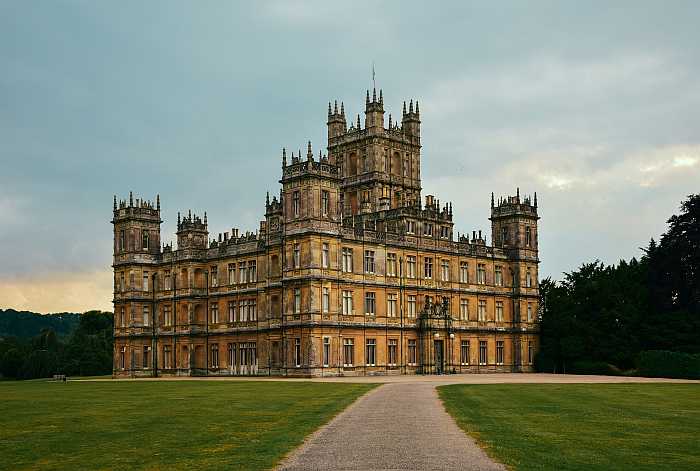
161	425
582	426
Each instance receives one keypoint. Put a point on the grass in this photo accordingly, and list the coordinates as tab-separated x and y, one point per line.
161	425
582	426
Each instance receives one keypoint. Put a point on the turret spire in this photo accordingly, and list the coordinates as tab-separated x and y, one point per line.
115	202
284	157
309	153
158	202
492	200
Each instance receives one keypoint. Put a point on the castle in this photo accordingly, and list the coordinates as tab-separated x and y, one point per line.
350	273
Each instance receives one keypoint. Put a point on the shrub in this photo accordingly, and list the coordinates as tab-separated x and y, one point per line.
667	364
595	368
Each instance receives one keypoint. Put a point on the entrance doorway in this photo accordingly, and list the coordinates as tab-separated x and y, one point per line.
439	358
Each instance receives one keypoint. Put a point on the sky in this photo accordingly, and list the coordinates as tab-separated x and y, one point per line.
593	105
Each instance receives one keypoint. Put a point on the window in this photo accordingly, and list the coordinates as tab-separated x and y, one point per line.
326	351
530	353
297	256
297	300
370	303
392	351
445	270
391	305
252	271
231	273
231	355
411	306
324	202
499	352
529	312
498	277
167	355
371	352
528	236
324	255
145	281
499	311
464	309
232	311
347	303
482	310
411	351
167	321
427	229
122	357
391	264
410	227
504	235
122	283
464	352
444	232
463	272
348	352
215	356
122	318
214	277
428	268
144	239
146	350
242	312
121	241
241	272
481	274
347	260
167	281
411	266
296	203
528	278
297	352
132	280
253	310
483	352
146	315
326	299
369	261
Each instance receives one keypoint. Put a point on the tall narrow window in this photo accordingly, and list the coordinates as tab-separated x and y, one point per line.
146	315
410	227
297	256
445	270
145	239
296	204
528	278
122	318
411	306
122	283
324	202
530	353
504	236
391	264
464	309
215	356
121	240
146	351
370	303
391	304
241	272
326	299
482	310
297	300
324	255
392	352
167	281
214	276
528	236
167	320
214	313
232	311
348	352
499	311
326	351
371	352
369	261
231	273
464	352
529	312
347	303
499	352
297	352
498	276
463	272
167	357
252	271
427	229
412	352
483	352
481	274
428	268
242	314
347	260
411	266
122	358
145	281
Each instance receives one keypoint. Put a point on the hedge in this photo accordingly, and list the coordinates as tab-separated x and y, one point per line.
659	363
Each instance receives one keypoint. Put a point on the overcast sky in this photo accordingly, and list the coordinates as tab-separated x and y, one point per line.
595	107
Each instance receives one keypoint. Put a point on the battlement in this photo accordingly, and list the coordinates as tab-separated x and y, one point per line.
298	167
514	205
191	222
136	208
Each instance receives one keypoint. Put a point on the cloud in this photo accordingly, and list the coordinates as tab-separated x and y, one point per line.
58	292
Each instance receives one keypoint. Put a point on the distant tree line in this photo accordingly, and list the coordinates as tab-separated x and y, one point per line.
85	350
604	319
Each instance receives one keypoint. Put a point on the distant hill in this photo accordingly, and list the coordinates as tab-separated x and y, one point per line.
25	324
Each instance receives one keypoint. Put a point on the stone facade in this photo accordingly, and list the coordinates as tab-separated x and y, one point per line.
350	273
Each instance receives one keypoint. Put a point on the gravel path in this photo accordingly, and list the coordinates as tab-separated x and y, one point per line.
395	426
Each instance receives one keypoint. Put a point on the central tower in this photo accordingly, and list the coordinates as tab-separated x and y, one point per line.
379	166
